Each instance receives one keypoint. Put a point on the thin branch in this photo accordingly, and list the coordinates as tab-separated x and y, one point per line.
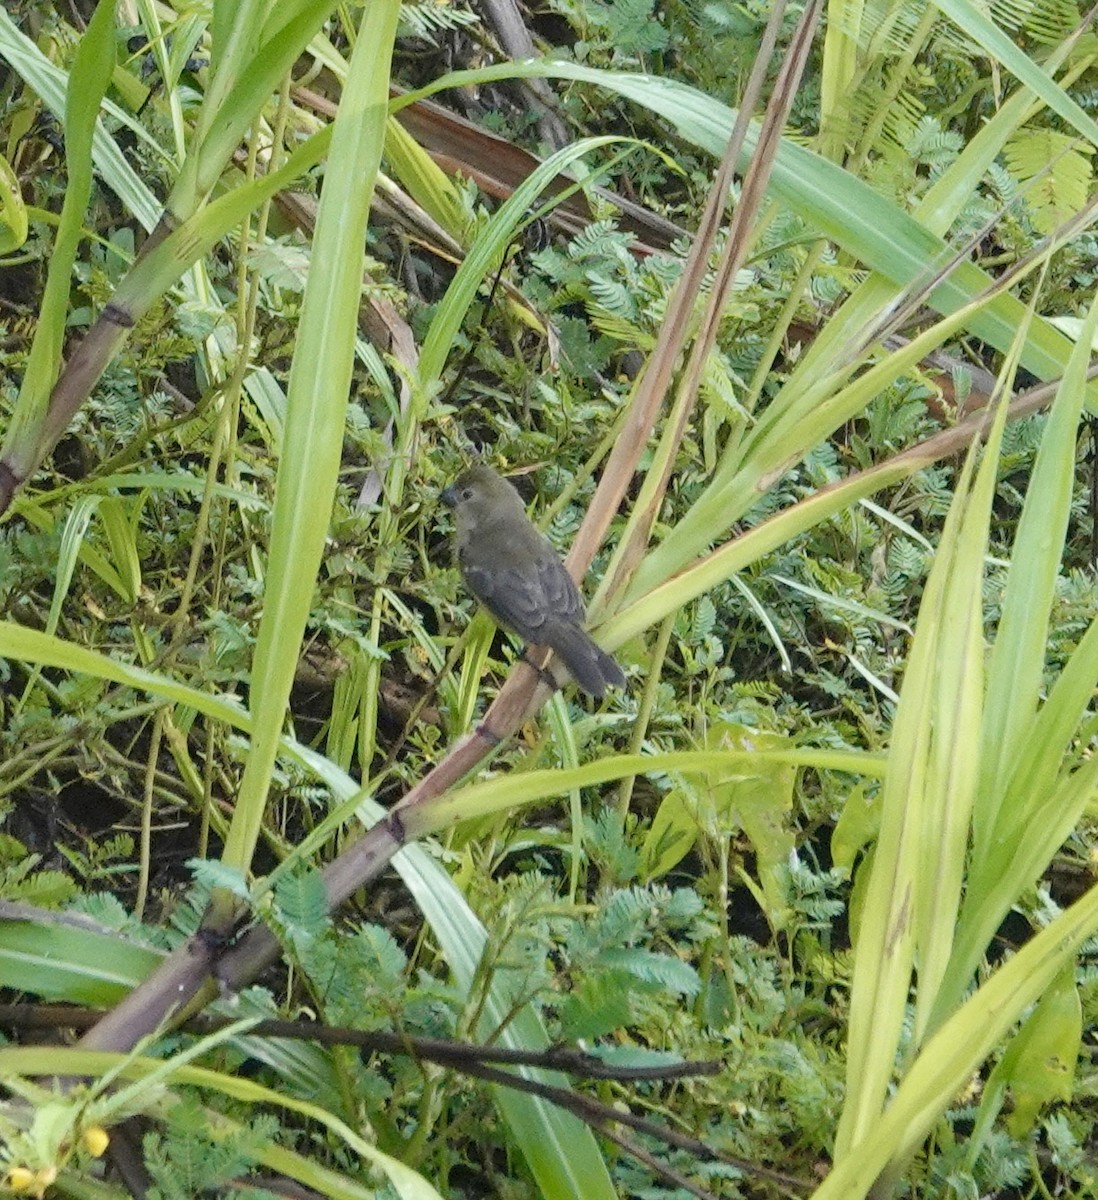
442	1051
595	1113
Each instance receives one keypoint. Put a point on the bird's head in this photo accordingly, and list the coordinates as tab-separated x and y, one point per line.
479	497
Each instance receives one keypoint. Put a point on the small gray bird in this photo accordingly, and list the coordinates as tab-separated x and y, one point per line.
513	570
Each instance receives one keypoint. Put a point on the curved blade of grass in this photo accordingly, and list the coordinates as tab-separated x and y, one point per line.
153	481
125	558
72	538
839	205
64	962
487	252
91	73
738	554
51	83
842	604
39	649
947	1062
317	401
324	1181
999	47
1017	664
915	816
534	787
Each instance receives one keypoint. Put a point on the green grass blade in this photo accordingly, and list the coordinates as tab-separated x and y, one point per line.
39	649
999	46
487	252
72	540
91	73
316	406
425	181
947	1062
736	555
235	31
118	525
51	84
836	203
924	808
838	64
243	101
534	787
13	212
58	960
1017	664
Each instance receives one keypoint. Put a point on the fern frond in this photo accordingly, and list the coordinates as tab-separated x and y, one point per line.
612	296
1045	21
598	240
427	20
887	27
1058	169
648	966
621	330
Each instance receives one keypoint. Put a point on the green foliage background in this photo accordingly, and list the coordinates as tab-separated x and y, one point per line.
837	835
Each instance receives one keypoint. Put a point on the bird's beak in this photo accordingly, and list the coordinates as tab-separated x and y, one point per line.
449	497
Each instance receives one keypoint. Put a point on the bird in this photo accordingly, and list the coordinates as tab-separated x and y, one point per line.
510	566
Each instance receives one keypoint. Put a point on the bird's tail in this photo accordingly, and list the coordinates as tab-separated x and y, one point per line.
589	665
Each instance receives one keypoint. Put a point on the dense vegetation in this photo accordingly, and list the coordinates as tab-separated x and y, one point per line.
806	909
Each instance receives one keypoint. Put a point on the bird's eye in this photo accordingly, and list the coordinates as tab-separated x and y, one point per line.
466	493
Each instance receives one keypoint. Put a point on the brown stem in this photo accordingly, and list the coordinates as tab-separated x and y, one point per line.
604	1116
185	977
78	376
444	1051
182	978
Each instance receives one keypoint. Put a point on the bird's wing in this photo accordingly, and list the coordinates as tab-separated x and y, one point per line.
529	600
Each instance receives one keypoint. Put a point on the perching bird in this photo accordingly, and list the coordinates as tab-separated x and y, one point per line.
513	570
